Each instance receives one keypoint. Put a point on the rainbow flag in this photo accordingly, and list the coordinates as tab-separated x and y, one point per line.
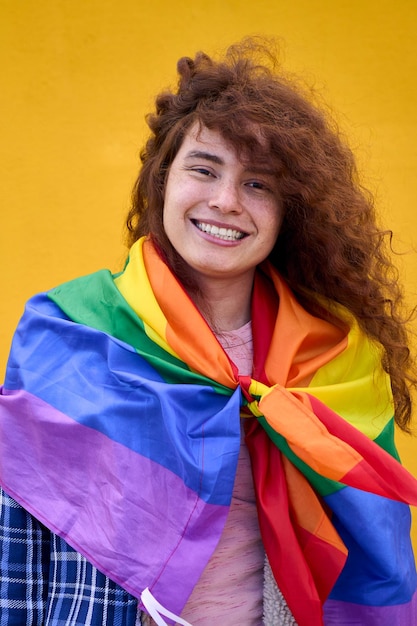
120	430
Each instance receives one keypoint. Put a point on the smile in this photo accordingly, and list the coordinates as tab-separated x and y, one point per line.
227	234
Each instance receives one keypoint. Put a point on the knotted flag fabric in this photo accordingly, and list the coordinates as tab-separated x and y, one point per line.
120	430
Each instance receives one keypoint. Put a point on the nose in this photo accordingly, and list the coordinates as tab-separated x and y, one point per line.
225	197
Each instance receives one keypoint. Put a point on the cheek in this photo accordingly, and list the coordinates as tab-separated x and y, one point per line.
172	220
273	223
167	222
168	209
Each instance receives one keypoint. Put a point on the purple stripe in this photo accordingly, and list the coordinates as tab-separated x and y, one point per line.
345	614
104	383
106	501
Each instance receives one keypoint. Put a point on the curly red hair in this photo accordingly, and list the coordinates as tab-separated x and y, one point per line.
329	244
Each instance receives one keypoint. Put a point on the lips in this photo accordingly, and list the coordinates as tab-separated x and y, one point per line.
226	234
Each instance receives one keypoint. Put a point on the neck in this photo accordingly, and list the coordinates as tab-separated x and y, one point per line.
225	305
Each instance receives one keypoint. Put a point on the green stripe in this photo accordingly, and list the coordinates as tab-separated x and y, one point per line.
95	301
325	486
386	440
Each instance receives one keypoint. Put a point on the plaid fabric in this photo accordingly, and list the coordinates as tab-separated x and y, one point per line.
44	582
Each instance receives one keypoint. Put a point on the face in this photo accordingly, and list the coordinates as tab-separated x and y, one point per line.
222	213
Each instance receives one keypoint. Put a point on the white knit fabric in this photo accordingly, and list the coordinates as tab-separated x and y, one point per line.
276	611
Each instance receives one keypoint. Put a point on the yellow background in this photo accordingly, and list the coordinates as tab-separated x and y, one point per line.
78	77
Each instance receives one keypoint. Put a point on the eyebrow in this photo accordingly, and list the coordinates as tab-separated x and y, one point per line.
214	158
207	156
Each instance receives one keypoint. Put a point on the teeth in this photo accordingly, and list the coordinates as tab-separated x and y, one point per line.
228	234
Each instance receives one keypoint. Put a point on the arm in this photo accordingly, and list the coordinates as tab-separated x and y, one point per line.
24	565
43	580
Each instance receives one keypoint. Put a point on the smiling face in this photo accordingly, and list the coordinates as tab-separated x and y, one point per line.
222	213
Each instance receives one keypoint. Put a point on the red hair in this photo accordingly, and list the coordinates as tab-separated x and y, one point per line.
329	244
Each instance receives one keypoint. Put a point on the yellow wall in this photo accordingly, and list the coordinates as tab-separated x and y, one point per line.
78	77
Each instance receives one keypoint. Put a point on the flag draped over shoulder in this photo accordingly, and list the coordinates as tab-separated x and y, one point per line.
120	430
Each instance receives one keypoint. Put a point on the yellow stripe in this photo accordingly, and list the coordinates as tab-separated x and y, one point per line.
355	386
257	390
136	289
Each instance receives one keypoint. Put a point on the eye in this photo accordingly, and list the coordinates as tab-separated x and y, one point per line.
201	170
258	185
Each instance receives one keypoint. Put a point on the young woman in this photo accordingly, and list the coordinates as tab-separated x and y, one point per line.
208	435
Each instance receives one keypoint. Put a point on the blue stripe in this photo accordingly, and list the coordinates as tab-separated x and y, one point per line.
103	383
380	569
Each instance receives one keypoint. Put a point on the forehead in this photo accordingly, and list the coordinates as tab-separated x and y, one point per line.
200	138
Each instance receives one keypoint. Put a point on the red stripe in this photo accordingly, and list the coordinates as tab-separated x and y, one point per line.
380	473
288	561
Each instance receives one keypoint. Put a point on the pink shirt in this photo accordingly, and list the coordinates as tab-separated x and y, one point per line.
230	590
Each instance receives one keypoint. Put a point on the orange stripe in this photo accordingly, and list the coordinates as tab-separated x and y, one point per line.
291	416
307	508
187	333
301	343
317	536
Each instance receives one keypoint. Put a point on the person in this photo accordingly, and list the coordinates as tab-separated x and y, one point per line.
208	434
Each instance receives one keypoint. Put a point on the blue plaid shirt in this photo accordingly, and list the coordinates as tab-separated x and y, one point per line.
44	582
